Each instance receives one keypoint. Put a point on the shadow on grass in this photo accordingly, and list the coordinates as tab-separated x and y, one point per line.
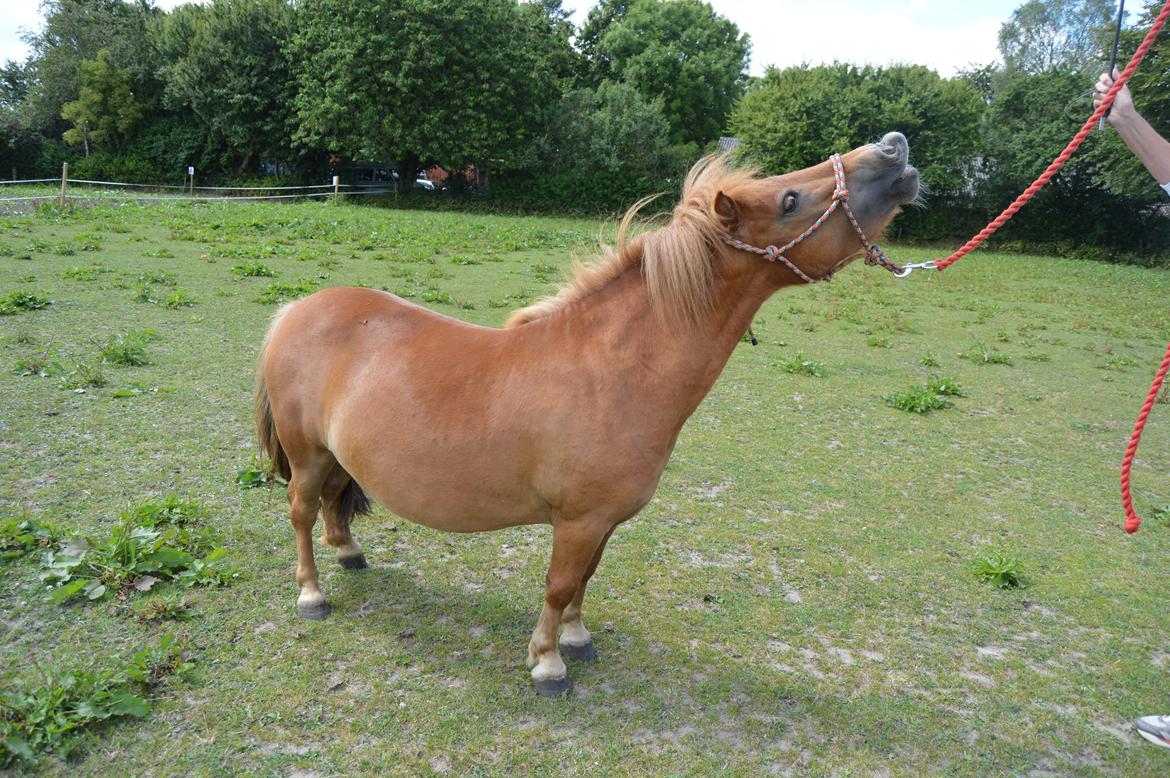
654	692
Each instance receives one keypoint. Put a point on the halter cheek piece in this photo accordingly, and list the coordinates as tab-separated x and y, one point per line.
873	253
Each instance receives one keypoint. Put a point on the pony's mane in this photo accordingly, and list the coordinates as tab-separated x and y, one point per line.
675	259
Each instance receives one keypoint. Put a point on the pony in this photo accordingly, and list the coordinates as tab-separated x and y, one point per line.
568	414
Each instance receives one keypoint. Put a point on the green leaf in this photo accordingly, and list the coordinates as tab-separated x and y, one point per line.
169	559
214	555
63	593
19	747
87	710
95	592
128	704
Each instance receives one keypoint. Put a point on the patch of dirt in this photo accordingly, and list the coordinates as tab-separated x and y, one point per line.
991	652
978	678
1119	731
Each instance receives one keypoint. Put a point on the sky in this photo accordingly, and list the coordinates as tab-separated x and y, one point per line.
943	34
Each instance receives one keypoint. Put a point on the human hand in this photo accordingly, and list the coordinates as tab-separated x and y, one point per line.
1123	108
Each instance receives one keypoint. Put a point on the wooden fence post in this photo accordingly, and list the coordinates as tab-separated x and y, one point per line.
64	182
336	188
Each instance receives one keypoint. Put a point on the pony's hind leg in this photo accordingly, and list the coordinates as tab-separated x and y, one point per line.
574	545
304	497
576	642
341	500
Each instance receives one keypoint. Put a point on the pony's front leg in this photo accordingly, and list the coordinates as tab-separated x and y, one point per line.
575	542
576	641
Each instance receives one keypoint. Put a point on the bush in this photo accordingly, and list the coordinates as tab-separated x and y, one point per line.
585	191
919	400
127	349
1002	572
15	302
110	167
37	719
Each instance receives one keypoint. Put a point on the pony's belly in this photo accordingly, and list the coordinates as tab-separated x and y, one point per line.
454	504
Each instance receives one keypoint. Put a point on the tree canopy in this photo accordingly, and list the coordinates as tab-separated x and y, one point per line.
677	50
1046	34
455	82
795	117
229	67
105	110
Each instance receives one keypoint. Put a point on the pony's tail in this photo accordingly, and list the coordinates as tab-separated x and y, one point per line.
353	502
266	436
266	431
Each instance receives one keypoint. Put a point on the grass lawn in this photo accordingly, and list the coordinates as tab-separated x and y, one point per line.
797	599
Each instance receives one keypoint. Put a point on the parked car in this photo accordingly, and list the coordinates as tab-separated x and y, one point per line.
371	176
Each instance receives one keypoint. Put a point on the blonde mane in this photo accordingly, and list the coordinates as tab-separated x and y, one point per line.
675	259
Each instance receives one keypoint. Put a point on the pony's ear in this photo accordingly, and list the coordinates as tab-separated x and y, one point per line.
727	212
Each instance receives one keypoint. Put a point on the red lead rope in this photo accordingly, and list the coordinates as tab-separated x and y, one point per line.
1132	521
1069	150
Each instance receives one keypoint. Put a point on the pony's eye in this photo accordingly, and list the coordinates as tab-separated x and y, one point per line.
789	202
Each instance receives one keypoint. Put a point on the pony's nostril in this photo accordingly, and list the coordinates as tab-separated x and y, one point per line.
894	146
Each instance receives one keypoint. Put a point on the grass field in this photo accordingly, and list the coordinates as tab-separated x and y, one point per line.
799	598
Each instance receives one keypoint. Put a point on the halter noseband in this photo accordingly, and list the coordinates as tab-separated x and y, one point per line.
873	253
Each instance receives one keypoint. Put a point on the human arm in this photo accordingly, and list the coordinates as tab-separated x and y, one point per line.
1143	140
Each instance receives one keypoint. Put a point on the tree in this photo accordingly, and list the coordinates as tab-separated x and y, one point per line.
560	55
611	128
229	68
18	142
1046	34
456	82
74	31
1116	167
680	50
595	65
1027	125
796	117
105	110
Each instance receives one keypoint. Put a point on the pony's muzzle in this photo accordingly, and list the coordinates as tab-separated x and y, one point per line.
895	148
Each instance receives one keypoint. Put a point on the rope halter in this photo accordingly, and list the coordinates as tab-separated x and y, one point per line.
873	253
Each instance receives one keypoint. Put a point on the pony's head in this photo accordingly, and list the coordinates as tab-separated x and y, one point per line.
720	202
682	260
777	210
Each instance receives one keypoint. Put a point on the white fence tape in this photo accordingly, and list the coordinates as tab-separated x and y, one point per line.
185	188
302	192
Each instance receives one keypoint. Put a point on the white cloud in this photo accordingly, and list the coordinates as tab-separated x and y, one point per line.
788	32
25	15
934	33
19	16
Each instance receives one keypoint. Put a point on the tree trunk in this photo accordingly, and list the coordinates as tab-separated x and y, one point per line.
249	161
407	169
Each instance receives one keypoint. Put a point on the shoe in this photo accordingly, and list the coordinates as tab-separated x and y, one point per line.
1155	729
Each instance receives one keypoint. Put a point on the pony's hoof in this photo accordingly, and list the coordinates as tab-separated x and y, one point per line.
316	611
582	653
554	687
353	562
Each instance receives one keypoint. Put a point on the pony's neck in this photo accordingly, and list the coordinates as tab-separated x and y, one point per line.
677	364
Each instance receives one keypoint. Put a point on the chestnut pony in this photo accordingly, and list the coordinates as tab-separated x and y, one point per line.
568	414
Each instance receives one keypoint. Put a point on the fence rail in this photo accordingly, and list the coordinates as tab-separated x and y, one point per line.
336	190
